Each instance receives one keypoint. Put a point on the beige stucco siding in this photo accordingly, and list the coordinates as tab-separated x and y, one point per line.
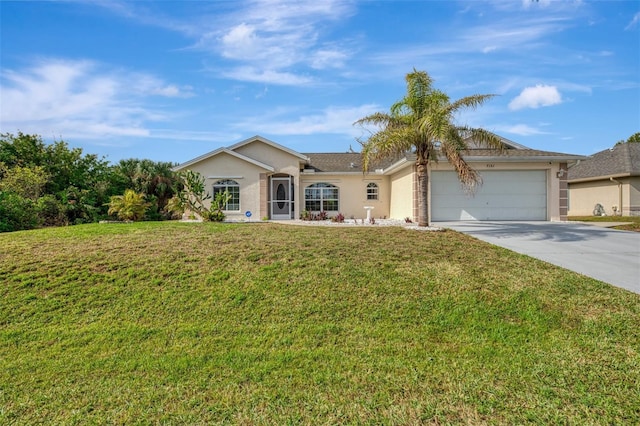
401	205
634	197
281	161
353	193
583	196
225	166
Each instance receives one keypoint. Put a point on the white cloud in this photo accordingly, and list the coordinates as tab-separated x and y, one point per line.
270	37
634	22
535	97
519	129
80	98
333	120
328	58
258	75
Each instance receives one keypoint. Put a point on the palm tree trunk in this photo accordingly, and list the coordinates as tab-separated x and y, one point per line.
423	193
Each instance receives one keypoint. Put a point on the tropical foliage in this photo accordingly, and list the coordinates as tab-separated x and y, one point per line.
423	123
156	180
130	206
192	195
634	138
52	184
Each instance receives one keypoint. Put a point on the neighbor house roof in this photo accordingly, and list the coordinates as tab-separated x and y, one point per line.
619	161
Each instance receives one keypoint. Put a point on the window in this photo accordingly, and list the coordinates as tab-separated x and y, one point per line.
321	197
372	191
234	190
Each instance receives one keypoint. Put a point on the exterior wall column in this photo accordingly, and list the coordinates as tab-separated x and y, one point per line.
563	193
264	195
415	192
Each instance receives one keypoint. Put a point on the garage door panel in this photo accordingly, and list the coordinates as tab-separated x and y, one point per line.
504	195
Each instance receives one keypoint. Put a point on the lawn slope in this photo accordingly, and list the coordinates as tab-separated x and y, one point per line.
270	324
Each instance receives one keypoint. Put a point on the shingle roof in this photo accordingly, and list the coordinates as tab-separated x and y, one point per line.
342	162
517	153
622	159
352	162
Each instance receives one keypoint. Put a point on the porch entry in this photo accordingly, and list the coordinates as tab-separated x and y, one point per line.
282	199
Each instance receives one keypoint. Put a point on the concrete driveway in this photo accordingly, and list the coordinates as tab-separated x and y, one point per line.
605	254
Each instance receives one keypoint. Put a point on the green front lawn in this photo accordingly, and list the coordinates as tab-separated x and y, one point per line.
633	226
272	324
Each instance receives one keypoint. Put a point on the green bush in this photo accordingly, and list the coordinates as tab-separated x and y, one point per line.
51	212
16	213
130	206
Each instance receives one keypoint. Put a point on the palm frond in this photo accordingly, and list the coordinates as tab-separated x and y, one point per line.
469	177
471	102
485	137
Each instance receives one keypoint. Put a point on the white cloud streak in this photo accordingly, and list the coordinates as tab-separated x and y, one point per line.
78	98
634	22
519	129
332	120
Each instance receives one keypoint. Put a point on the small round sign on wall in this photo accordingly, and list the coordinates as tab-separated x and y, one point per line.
248	213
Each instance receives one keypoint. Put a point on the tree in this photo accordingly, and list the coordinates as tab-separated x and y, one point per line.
27	182
130	206
81	183
634	138
423	122
156	180
192	195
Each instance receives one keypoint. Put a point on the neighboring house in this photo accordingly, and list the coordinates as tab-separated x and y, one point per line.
610	178
271	181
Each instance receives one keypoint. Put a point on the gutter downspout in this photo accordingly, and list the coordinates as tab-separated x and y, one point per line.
619	194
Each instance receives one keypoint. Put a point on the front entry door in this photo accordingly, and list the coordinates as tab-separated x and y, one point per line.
281	198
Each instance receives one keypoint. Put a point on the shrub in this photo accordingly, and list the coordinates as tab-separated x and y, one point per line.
306	215
339	218
130	206
16	213
215	216
51	212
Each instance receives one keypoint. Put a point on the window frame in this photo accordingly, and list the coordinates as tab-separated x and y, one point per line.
373	191
324	195
233	187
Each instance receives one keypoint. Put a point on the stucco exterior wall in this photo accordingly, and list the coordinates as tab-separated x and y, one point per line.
281	161
583	196
401	202
352	194
225	166
634	197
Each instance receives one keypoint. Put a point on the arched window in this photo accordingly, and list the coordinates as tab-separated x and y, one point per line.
321	197
234	190
372	191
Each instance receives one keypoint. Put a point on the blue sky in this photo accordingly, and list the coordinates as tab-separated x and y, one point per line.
171	80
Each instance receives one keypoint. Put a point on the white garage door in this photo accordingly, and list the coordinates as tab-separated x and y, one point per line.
504	195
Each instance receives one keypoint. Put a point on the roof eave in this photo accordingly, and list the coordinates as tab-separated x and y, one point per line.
271	143
602	177
225	151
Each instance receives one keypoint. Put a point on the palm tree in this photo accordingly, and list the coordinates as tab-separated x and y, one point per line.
423	123
130	206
